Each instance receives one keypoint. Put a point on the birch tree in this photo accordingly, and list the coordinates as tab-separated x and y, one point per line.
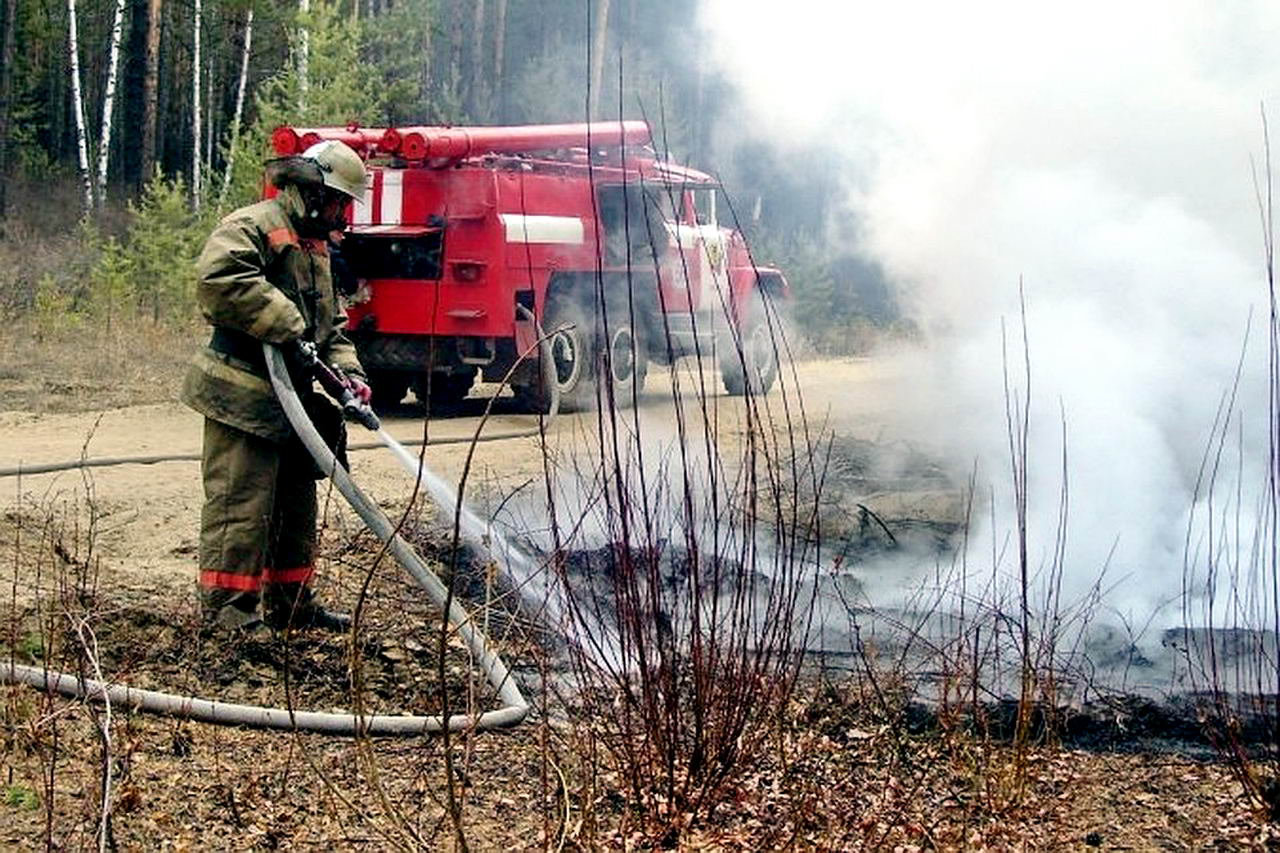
195	108
304	50
235	116
82	136
108	102
210	118
598	35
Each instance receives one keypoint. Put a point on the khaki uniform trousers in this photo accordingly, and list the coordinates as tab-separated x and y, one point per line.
257	526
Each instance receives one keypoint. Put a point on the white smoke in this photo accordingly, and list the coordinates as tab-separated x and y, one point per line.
1099	152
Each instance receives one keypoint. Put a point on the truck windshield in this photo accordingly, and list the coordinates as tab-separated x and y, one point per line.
416	256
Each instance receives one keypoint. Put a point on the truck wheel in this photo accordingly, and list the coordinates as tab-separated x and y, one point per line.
756	367
577	344
447	389
388	387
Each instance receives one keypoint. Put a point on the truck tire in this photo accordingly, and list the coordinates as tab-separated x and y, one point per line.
755	367
388	387
577	342
447	389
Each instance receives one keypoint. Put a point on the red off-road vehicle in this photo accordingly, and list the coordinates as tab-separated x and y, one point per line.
468	239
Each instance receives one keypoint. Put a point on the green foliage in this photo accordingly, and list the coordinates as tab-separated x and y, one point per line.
552	87
338	89
32	645
150	272
36	34
393	47
162	245
20	796
53	307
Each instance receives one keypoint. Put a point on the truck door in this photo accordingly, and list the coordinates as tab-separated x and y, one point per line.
711	252
678	275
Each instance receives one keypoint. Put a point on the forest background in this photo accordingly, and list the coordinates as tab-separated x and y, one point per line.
127	127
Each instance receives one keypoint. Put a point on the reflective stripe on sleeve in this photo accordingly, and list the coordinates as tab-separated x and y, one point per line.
281	237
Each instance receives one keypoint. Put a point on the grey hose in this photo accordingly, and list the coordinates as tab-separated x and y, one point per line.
516	707
230	714
494	669
112	461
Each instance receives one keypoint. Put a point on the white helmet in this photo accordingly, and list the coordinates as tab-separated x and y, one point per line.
340	167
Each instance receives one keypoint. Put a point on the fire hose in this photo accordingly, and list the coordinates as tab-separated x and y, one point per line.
515	706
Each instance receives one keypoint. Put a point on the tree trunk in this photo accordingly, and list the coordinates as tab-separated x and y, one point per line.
82	137
196	127
209	120
6	97
498	87
108	102
235	116
304	50
150	89
598	40
475	82
425	80
455	51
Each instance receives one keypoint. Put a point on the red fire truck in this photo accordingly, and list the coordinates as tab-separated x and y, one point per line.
471	238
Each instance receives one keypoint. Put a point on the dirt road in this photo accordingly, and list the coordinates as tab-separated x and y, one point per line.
146	516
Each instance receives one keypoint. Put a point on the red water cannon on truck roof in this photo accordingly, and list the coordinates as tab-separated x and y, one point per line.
472	240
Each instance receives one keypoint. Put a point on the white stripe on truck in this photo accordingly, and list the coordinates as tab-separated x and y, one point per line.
389	213
523	228
362	211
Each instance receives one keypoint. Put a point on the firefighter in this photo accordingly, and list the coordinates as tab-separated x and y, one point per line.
265	276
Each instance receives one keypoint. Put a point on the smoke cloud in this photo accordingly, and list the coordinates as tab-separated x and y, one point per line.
1099	153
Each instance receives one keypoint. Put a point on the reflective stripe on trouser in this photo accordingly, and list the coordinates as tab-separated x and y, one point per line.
258	524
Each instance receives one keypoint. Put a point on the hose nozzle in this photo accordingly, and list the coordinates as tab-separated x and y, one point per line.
336	384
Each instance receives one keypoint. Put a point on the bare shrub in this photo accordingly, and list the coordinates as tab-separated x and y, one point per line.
685	586
1231	566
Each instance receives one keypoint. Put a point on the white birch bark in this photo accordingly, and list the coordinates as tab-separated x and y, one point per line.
598	42
196	135
304	50
108	102
210	116
499	41
235	116
82	137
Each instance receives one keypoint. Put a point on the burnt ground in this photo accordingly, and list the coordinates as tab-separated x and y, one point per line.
852	761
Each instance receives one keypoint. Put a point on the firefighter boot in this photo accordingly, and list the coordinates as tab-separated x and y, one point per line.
231	610
293	606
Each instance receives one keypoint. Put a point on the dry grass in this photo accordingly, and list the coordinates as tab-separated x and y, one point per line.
833	780
77	367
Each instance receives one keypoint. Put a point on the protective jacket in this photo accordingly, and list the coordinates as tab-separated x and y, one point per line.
260	281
